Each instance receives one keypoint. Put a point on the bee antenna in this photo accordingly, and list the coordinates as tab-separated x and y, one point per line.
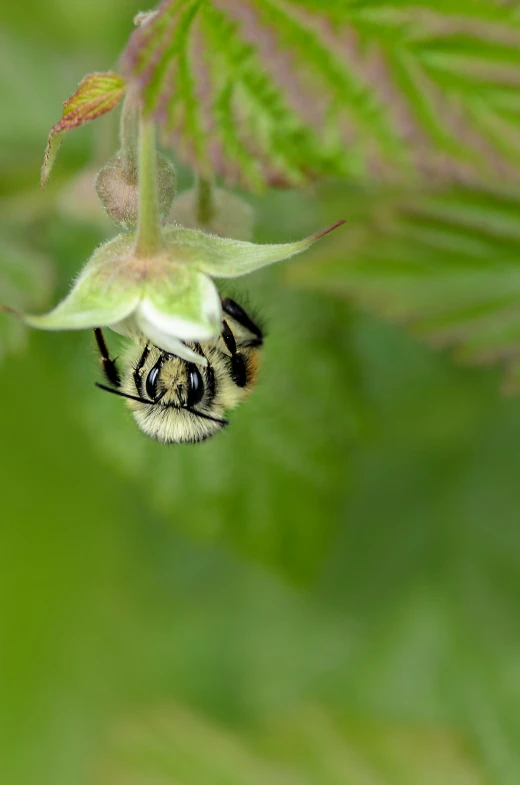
206	416
124	395
154	403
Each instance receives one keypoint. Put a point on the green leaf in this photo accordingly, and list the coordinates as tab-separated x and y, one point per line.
269	92
96	95
165	747
325	750
447	265
26	279
427	567
311	747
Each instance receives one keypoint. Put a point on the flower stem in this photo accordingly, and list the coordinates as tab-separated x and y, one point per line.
128	135
149	237
205	200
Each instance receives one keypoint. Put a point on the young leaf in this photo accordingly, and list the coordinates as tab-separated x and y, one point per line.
268	92
96	95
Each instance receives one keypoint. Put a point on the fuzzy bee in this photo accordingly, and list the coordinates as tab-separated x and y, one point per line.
174	400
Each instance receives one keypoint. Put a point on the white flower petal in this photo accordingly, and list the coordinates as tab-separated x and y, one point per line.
184	303
165	340
184	329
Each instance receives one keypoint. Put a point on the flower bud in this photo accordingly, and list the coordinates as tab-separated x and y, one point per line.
118	190
229	215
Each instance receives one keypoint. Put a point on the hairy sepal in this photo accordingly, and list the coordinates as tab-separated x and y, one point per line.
223	257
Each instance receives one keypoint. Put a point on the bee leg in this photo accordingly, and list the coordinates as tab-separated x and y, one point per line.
238	365
138	381
233	309
108	365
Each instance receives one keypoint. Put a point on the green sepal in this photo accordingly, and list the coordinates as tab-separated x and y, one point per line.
222	257
166	301
101	296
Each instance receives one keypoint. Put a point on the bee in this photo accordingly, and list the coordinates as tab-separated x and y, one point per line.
174	400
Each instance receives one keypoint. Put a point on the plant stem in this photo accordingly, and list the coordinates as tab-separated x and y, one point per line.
205	200
128	135
149	237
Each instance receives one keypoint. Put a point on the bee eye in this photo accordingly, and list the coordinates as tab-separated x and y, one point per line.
195	385
151	383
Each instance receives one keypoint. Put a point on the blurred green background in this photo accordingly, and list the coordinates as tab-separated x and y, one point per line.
325	594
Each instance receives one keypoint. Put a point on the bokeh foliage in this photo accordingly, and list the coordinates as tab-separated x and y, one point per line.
326	593
273	92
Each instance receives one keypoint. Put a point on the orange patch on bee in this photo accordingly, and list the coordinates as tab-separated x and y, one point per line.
253	366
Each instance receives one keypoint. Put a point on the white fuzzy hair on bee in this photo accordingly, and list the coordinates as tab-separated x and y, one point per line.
174	400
